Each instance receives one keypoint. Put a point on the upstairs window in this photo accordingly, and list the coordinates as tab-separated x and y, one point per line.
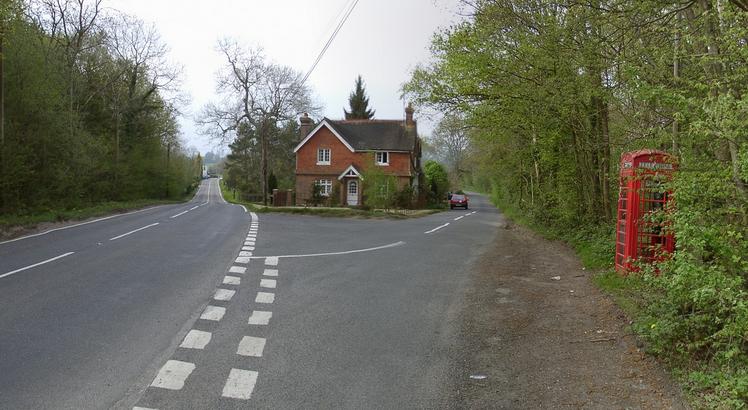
323	156
383	158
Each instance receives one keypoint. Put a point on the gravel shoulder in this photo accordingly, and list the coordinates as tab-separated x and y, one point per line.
545	342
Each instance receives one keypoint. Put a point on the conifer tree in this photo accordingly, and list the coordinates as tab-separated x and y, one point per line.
359	103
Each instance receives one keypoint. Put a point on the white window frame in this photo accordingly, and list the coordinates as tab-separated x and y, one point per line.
378	158
324	155
326	185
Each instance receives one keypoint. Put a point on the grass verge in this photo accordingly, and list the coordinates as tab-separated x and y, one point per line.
341	212
31	219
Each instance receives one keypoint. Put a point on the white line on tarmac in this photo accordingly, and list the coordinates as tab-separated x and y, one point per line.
214	313
391	245
36	264
196	339
240	384
267	283
248	248
270	272
243	260
254	216
77	225
244	208
194	207
260	317
459	217
251	346
271	261
437	228
245	253
224	294
238	269
265	297
132	232
232	280
179	214
173	375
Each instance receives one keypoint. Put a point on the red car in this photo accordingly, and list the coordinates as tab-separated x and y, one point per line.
458	200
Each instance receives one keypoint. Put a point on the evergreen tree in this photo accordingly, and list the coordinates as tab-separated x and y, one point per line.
359	103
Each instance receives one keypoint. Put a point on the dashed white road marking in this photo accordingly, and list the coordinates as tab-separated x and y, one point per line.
80	224
142	408
271	261
238	269
194	207
473	212
133	231
251	346
248	248
243	260
232	280
173	375
265	297
260	317
196	339
437	228
224	294
459	217
240	384
179	214
392	245
245	253
253	215
251	237
468	214
249	243
36	264
270	272
214	313
267	283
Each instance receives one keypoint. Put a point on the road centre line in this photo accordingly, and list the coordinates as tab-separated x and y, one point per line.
391	245
194	207
179	214
36	264
437	228
133	231
459	217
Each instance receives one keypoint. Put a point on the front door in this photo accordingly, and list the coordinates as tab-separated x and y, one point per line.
352	199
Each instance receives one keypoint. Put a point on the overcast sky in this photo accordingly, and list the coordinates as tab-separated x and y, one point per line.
382	40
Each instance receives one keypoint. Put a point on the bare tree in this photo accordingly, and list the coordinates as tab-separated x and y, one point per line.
256	96
451	142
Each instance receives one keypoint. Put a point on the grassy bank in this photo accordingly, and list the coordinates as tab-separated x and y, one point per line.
338	212
32	218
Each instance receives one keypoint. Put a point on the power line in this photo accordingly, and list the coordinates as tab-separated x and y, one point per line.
329	41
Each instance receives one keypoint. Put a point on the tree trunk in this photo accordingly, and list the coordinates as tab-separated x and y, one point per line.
3	165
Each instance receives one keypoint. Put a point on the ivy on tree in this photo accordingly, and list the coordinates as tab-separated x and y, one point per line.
359	103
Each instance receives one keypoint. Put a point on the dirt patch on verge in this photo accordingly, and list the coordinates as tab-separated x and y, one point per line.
544	336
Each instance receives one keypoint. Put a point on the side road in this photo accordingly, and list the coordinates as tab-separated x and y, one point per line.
541	335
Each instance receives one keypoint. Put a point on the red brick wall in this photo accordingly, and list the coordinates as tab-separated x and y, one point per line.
307	170
341	157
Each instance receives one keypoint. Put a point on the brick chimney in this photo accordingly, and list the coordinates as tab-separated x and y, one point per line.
305	125
409	122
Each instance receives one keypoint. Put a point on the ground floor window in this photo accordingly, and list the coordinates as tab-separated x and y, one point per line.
326	186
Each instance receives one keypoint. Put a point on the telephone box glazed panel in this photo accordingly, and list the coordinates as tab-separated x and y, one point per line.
642	191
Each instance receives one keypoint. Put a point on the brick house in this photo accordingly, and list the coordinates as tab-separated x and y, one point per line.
337	152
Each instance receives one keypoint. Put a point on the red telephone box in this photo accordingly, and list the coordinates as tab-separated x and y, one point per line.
642	191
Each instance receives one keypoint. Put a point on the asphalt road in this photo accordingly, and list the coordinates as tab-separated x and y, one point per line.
219	308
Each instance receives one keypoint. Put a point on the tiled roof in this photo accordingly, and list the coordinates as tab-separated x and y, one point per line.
375	135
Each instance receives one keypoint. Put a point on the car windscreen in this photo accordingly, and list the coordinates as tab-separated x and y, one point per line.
458	197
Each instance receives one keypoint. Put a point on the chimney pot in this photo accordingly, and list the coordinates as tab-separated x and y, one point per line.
305	125
409	115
